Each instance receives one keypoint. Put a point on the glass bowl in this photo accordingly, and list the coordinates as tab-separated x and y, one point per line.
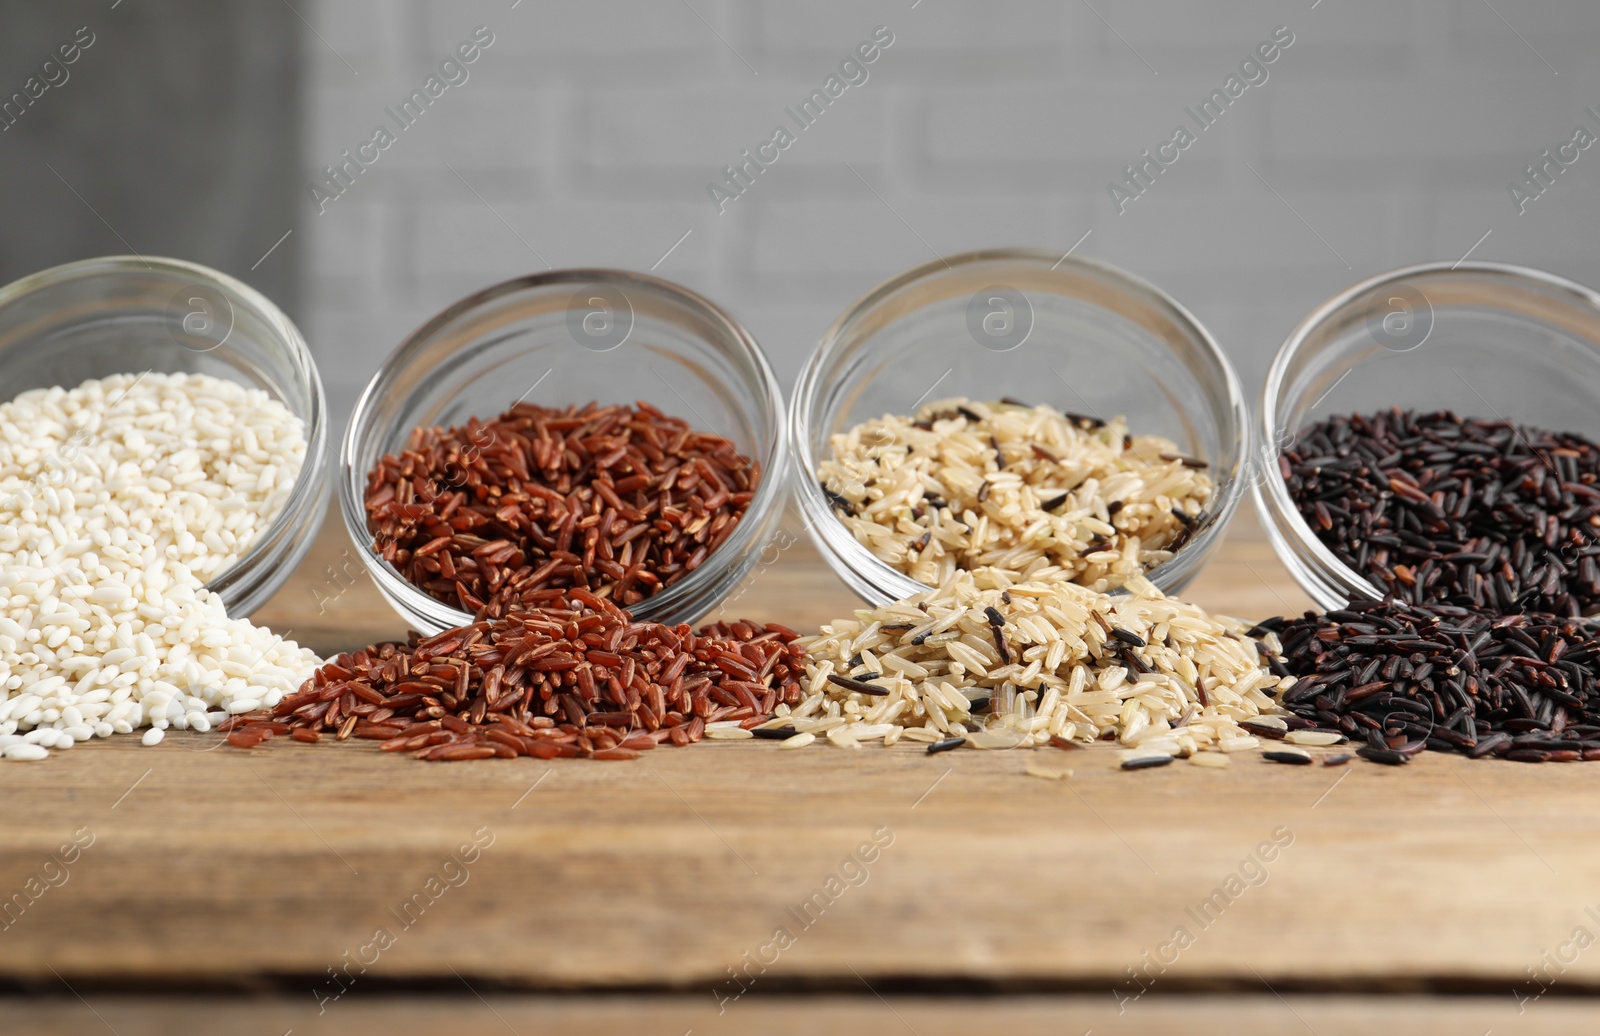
570	337
122	314
1031	325
1481	339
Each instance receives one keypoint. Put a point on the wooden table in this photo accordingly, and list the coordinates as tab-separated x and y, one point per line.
239	892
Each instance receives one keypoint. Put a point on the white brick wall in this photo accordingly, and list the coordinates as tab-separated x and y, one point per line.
592	127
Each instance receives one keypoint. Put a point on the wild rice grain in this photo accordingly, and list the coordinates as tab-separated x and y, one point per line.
1063	679
1029	491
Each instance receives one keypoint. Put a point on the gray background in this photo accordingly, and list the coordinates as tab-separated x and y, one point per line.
1387	134
176	133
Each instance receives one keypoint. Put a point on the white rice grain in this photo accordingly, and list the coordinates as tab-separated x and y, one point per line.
119	500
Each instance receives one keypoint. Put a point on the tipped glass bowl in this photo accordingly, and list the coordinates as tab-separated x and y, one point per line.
1480	339
129	314
1032	325
570	337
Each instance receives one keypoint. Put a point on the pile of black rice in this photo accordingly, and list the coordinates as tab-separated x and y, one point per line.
1401	678
1484	537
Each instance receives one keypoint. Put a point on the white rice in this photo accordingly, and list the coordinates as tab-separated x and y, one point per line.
119	500
1067	675
1116	519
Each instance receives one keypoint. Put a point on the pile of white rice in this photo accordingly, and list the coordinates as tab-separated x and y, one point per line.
1029	490
1068	665
119	500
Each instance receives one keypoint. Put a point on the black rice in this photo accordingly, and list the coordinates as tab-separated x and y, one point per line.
1405	678
860	686
1487	514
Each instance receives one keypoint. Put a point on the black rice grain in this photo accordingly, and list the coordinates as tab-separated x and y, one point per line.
860	686
1487	514
1407	677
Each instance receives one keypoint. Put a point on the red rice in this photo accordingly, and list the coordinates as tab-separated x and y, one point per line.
570	675
622	501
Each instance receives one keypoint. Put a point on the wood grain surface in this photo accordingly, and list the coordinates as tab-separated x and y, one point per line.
496	1015
216	868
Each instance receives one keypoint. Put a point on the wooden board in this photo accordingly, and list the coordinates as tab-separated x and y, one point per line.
211	866
494	1015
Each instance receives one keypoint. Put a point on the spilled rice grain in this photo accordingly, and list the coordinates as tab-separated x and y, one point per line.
1069	679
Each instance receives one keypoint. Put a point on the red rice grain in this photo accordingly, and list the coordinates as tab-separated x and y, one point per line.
622	501
565	674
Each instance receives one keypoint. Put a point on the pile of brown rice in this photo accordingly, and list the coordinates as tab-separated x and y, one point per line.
1021	665
1030	490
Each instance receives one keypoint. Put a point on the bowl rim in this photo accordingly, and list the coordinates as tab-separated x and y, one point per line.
312	476
1277	511
770	491
868	568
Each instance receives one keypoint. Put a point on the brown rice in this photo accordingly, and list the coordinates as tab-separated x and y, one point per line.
1034	492
1018	665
